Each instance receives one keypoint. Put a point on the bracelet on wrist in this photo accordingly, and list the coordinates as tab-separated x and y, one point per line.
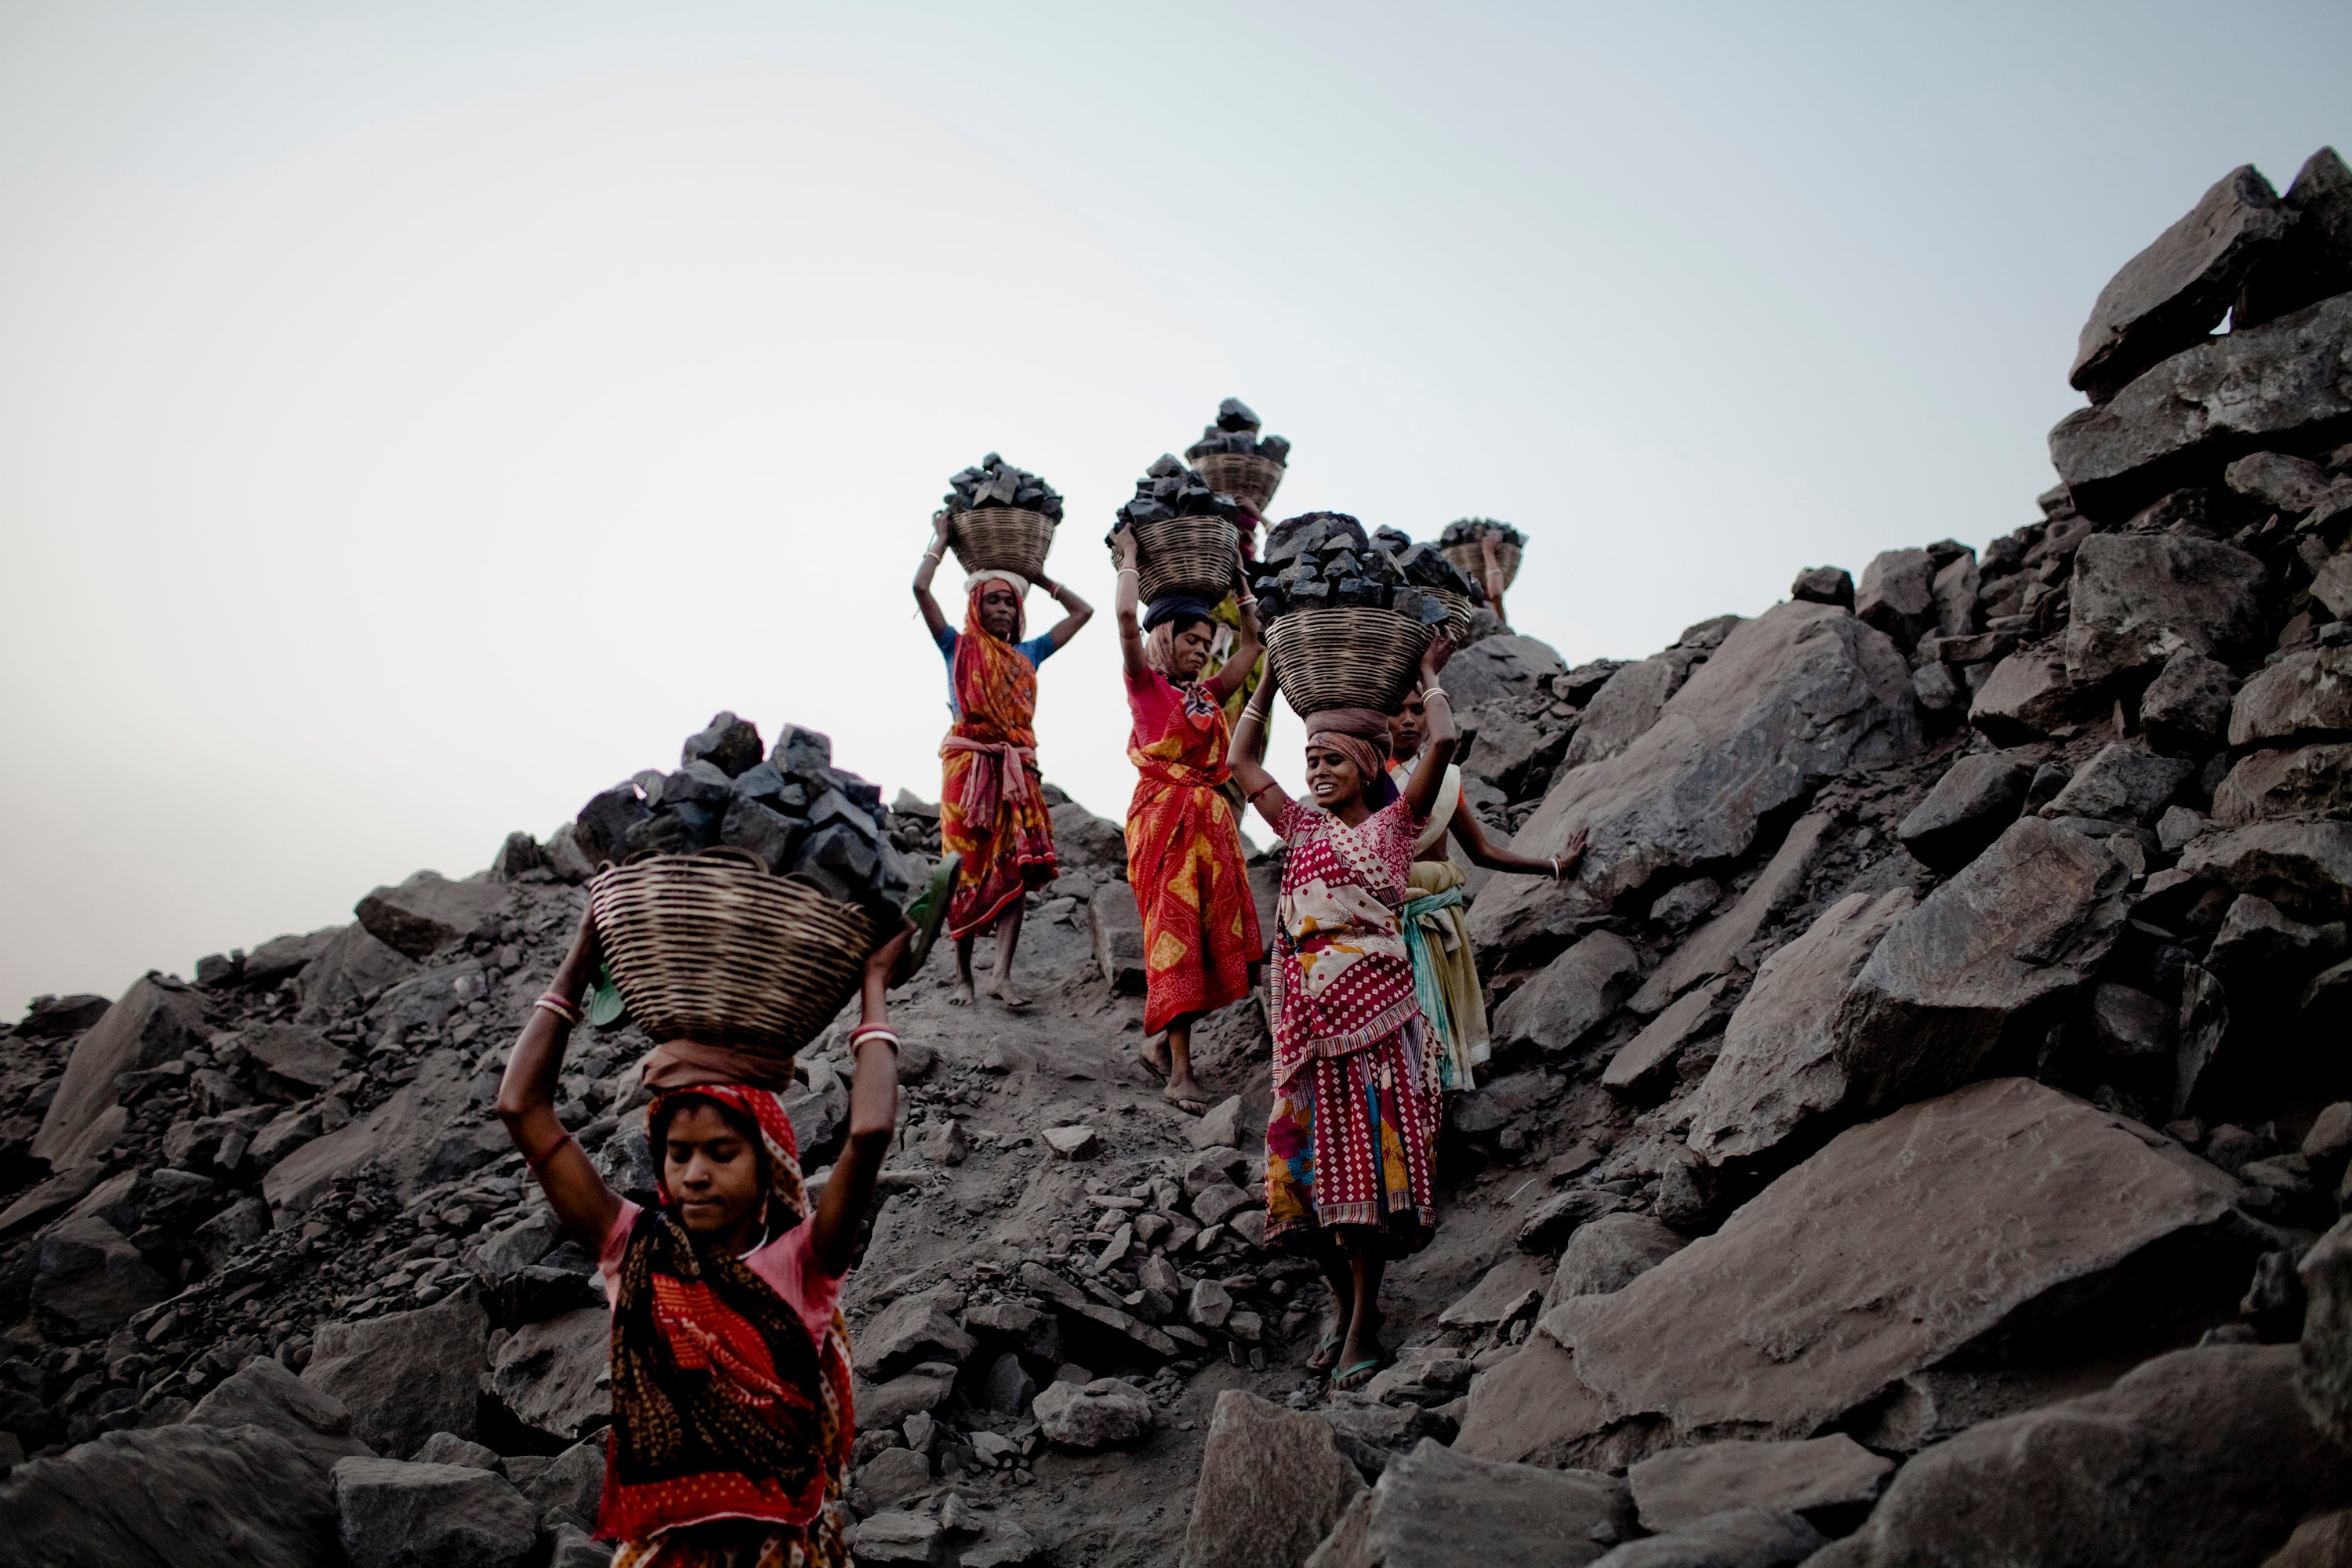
569	1011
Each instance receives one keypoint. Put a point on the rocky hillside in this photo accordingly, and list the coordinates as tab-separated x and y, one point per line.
1914	1136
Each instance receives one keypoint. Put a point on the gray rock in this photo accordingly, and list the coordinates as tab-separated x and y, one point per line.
1837	1280
2325	1541
155	1020
2315	260
565	856
1957	582
895	1535
1436	1507
573	1485
1572	994
1972	969
1425	1380
2305	696
1779	1067
1626	707
2131	1025
2170	296
405	1376
1514	754
1506	1291
1735	1538
1898	593
354	965
2028	695
1272	1485
547	1373
2324	1373
1610	1254
1683	1486
2139	598
1104	1414
2271	386
2198	1459
89	1279
1978	797
1506	666
2257	945
2332	584
1641	1064
1798	695
1824	586
282	957
302	1058
2122	784
393	1514
1715	947
2305	868
190	1496
448	1448
1219	1127
1551	1223
1085	842
571	1547
2187	703
1008	1388
912	1329
890	1478
1116	926
2276	479
1208	1305
888	1403
428	912
264	1394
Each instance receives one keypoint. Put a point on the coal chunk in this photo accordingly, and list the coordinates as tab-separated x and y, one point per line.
764	831
995	482
1470	530
727	742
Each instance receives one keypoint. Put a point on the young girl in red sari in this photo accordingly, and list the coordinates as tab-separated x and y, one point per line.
1183	848
1353	1132
992	805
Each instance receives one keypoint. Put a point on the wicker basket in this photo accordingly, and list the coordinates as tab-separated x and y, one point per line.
1457	621
710	947
1470	560
1245	475
1346	658
1001	539
1189	555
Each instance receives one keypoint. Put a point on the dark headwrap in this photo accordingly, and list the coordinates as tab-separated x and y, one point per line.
1175	606
1362	735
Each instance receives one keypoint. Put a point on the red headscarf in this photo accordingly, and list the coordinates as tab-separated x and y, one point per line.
995	688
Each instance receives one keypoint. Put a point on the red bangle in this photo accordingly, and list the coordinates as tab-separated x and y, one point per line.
551	1148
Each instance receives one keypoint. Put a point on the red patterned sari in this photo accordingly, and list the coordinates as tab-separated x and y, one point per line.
1184	854
992	810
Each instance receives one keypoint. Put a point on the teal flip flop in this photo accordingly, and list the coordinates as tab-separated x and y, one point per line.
1327	1347
927	914
1349	1380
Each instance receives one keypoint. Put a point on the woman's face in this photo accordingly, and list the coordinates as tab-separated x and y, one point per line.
1334	781
711	1171
1000	610
1188	650
1405	727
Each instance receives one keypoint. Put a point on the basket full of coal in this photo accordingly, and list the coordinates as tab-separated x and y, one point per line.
1234	458
1349	614
1001	519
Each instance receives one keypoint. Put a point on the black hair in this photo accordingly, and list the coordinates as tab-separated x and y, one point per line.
738	1122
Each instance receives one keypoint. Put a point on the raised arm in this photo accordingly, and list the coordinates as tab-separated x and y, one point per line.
1243	659
575	1191
1471	836
1080	612
1438	737
1247	755
937	622
872	1117
1127	605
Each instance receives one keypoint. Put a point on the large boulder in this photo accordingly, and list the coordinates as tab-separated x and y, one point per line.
2303	868
89	1279
2186	706
2304	696
1997	1220
1434	1507
1273	1483
2139	598
405	1376
1627	704
914	1328
2201	1458
1978	797
2315	260
1735	1538
2028	694
1715	947
1104	1414
1813	1475
429	1130
155	1020
263	1393
1897	593
1506	666
1974	969
391	1514
549	1374
1569	995
2170	296
1779	1067
190	1496
1085	842
2324	1377
2123	784
1800	694
353	967
1610	1254
2273	385
1115	924
428	912
2294	781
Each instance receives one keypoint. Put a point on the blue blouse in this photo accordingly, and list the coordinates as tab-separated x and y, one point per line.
1036	650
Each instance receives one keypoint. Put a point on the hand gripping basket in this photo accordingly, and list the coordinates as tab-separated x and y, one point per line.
1469	558
1346	658
1245	475
1189	555
1001	539
1459	611
711	947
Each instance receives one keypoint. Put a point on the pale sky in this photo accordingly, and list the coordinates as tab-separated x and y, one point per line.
415	418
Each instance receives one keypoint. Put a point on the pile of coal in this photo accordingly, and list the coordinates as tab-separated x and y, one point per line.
799	814
1169	489
1325	560
996	482
1471	530
1235	431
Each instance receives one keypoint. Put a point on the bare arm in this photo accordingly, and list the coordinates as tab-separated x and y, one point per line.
1239	663
1471	836
872	1117
1245	756
1128	606
937	622
1437	742
577	1194
1080	611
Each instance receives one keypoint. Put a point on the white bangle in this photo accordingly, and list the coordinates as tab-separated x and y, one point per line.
1129	571
1437	691
1555	868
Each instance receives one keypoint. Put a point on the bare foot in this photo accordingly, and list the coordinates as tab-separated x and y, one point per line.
1002	989
1192	1101
1335	1337
1361	1356
1153	1054
962	996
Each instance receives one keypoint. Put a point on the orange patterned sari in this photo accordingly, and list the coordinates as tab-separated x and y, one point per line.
1184	856
991	807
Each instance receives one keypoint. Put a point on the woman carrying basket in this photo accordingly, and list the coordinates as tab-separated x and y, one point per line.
992	807
1183	848
1350	1140
1444	963
731	1415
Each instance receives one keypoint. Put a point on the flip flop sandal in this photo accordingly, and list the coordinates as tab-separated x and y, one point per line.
927	914
1356	1376
1186	1103
1326	1355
